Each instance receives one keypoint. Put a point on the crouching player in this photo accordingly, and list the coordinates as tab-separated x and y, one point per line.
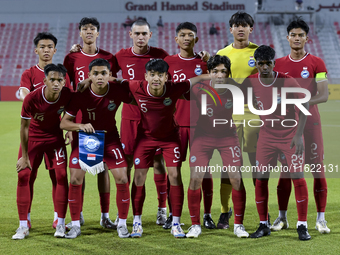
40	135
279	134
156	99
98	105
220	137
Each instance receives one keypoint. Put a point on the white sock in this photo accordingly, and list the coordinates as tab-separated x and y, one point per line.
23	223
61	221
121	222
320	216
283	214
207	214
175	220
137	218
236	225
105	215
55	216
29	216
301	223
264	222
76	223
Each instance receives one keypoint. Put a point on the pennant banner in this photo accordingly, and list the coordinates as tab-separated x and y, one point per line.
91	151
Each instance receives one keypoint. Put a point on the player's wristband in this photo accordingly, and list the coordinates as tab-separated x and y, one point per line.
321	77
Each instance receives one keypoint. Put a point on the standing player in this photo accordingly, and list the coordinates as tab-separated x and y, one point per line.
241	55
98	104
40	135
183	66
278	136
32	79
223	138
77	64
311	72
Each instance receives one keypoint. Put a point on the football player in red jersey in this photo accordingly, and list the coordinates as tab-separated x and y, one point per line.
278	134
182	66
41	136
77	64
98	104
209	137
32	79
311	73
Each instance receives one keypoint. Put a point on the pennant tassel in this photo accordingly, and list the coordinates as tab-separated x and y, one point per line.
96	169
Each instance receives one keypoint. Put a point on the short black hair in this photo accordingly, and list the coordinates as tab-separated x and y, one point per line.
217	60
298	23
186	25
99	62
86	20
45	36
241	18
264	52
55	68
140	22
157	65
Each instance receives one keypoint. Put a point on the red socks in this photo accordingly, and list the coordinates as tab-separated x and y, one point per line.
61	192
261	199
138	197
75	201
239	201
176	199
161	186
284	187
123	200
194	204
207	187
320	190
23	193
301	197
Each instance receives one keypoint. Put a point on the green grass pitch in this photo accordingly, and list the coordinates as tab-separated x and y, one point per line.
96	240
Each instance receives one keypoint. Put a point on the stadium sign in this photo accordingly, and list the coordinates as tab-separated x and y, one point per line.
196	6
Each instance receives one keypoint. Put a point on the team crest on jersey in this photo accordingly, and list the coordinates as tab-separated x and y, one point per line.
60	111
91	143
123	146
74	160
198	70
137	161
111	106
229	104
257	163
305	73
251	61
283	156
167	101
193	159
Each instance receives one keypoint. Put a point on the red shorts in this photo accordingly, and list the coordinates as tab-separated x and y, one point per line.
268	151
185	133
314	152
146	149
54	153
128	135
114	156
202	149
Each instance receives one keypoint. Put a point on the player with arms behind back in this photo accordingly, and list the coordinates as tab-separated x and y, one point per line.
41	136
310	72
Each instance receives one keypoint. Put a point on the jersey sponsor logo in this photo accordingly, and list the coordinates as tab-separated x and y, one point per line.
176	160
130	65
251	61
229	104
74	161
118	163
198	70
193	159
60	111
142	101
167	101
236	160
59	163
111	106
78	68
287	73
34	85
305	73
91	143
176	71
137	161
123	146
91	109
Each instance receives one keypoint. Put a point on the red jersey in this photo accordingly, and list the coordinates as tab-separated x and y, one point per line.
100	110
77	64
33	78
158	112
304	70
44	115
182	69
263	93
133	68
224	111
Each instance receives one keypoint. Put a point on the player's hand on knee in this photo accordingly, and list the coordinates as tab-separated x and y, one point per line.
23	163
68	137
298	143
75	48
88	128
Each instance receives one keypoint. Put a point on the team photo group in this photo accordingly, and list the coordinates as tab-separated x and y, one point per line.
168	116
